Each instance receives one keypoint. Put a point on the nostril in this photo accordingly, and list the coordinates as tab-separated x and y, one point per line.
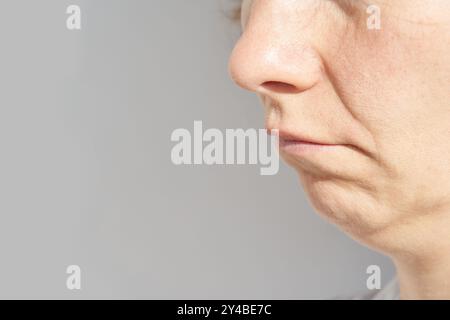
280	87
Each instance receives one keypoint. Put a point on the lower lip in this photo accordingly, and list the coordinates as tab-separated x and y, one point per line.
301	147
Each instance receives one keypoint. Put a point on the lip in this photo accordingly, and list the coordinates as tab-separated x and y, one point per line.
300	145
297	147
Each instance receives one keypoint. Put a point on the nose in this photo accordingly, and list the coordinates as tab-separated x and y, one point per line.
274	55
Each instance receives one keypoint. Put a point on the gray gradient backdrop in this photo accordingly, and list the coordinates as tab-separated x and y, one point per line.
86	176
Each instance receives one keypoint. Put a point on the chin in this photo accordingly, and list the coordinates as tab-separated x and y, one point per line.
349	205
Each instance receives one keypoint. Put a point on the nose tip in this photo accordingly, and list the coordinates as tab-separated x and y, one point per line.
262	66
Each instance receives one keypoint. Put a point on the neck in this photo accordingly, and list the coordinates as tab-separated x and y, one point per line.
420	249
423	268
422	279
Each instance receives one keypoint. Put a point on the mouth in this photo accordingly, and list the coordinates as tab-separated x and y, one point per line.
318	155
300	146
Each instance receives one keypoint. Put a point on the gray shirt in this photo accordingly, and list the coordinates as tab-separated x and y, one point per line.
390	291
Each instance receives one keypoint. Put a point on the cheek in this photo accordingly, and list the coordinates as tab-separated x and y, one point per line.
396	86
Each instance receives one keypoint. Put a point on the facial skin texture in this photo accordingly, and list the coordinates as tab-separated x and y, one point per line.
384	97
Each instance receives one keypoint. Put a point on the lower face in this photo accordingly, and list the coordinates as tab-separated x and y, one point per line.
385	98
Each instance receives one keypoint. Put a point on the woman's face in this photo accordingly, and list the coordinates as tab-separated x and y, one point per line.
381	96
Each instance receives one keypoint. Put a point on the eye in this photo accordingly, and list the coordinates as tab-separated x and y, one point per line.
351	7
235	13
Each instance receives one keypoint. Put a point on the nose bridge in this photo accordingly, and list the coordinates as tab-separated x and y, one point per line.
275	49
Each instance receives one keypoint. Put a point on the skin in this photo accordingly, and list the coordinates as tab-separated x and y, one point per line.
383	96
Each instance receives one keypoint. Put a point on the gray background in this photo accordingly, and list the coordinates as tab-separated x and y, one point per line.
86	176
